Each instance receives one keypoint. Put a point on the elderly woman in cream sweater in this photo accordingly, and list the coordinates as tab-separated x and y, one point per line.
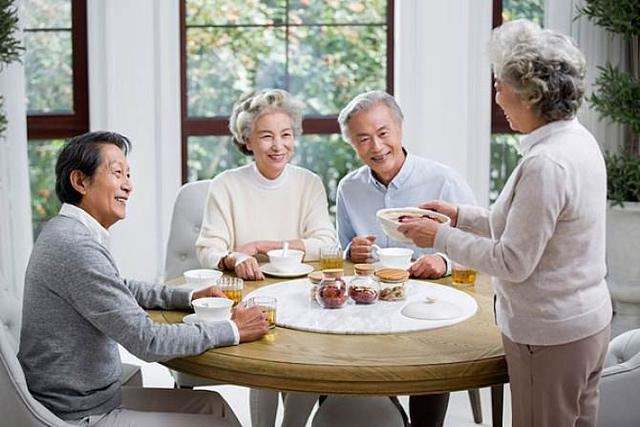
544	239
253	209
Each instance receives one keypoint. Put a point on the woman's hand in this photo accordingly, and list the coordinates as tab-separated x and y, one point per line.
249	269
421	231
211	291
251	322
448	209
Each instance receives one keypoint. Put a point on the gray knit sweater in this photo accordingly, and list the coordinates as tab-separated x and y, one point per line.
77	308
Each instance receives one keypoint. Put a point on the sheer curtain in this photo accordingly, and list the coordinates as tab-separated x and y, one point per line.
600	47
15	209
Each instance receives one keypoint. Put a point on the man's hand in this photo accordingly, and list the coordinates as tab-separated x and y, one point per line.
251	322
428	267
249	269
211	291
449	209
360	248
421	231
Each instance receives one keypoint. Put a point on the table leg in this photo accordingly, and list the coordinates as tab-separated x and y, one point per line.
497	392
476	406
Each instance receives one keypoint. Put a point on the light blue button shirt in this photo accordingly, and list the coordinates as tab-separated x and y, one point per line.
360	195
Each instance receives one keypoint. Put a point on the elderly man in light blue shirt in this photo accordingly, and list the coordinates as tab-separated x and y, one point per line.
390	178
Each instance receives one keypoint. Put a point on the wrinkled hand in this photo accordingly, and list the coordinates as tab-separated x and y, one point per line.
249	269
449	209
428	267
211	291
421	231
251	248
360	249
251	322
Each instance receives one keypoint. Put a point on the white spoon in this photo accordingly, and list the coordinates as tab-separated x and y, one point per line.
285	249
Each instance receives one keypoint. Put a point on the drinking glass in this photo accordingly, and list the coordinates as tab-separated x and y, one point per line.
331	258
463	276
232	288
268	305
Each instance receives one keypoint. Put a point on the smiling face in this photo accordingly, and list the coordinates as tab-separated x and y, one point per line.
272	143
376	135
105	195
519	113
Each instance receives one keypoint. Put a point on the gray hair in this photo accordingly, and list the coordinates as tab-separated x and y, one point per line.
364	102
545	67
255	104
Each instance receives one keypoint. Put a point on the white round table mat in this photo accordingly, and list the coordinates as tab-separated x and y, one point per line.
296	311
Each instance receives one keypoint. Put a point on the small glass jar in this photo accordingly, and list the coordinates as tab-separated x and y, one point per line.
363	289
392	283
315	277
332	291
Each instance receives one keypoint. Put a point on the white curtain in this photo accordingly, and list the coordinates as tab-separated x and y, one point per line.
15	209
600	47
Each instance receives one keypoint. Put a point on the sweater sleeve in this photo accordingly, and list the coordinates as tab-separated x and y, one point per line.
216	234
474	219
317	227
150	296
538	199
94	288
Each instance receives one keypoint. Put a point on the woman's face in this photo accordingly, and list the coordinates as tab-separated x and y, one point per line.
519	114
272	143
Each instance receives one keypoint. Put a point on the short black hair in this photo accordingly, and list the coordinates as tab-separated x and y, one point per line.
82	153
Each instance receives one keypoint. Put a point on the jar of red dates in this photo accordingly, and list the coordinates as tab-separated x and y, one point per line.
363	289
332	290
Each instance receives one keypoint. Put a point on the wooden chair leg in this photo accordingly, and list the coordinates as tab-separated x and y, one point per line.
497	392
476	406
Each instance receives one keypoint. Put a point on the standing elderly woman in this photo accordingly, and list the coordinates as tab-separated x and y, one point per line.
255	208
544	239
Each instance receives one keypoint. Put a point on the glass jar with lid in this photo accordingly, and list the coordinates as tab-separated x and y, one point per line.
332	291
392	283
363	289
315	277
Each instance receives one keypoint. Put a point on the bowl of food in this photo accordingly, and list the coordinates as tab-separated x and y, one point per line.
390	219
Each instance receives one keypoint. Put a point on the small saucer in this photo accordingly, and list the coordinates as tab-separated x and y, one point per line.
300	270
193	319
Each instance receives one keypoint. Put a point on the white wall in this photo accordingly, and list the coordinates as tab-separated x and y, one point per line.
134	89
443	84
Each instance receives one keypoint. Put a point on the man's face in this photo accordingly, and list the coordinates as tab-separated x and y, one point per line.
376	136
107	193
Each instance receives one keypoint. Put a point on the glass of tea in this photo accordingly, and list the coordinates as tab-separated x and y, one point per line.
463	276
331	258
232	288
268	305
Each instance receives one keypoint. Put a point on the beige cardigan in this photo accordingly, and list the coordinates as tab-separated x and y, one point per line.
543	240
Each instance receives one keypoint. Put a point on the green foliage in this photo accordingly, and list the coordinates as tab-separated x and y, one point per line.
42	160
617	16
533	10
623	173
504	159
617	97
10	47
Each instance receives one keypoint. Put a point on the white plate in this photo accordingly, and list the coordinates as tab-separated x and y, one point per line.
301	270
192	319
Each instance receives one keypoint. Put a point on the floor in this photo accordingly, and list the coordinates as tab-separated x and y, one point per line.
458	414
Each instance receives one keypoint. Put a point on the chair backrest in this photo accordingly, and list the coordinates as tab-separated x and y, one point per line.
623	348
17	406
185	228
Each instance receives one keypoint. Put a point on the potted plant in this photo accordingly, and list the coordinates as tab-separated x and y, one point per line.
617	98
9	46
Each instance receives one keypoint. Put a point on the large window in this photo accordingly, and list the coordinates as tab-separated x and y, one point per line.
57	91
504	155
322	51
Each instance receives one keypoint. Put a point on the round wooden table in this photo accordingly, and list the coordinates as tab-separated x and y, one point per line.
464	356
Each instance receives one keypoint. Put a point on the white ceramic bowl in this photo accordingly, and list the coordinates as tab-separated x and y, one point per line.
285	263
212	308
389	223
202	277
394	257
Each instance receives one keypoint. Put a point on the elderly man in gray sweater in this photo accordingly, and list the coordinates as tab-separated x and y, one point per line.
77	308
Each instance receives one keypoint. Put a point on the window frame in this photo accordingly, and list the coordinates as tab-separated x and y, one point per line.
219	125
55	126
499	123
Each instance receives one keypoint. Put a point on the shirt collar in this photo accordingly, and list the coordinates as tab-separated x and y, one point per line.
99	233
267	183
401	177
531	139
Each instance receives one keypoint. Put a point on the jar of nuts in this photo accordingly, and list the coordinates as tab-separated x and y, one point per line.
332	290
392	283
364	289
